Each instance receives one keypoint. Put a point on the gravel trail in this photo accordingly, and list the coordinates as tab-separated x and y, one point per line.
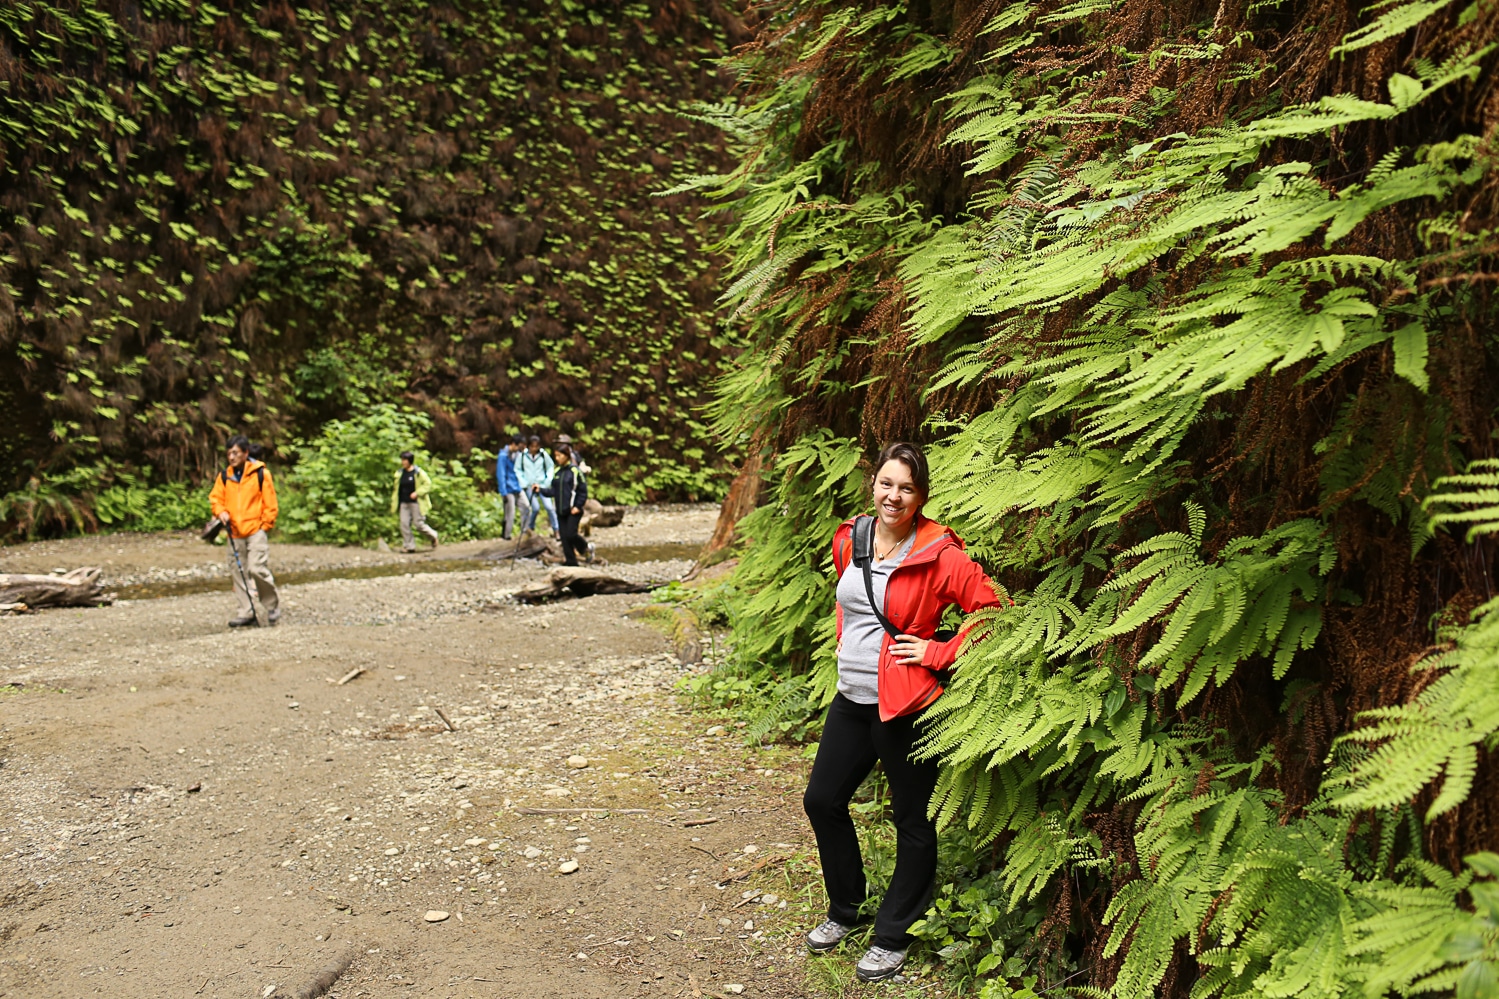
507	801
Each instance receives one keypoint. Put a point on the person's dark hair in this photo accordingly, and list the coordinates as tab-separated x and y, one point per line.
256	451
517	439
408	456
240	441
533	439
913	458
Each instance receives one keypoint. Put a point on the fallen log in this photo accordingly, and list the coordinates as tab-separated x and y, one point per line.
530	546
577	581
79	588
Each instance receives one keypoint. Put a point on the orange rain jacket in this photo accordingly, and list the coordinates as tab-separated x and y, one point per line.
936	574
251	501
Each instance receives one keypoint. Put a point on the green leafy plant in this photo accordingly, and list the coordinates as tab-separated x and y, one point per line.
345	477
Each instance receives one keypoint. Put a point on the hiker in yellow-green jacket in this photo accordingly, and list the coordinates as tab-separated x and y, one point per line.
412	497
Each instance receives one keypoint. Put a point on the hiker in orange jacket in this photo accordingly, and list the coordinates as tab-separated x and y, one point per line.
897	573
244	499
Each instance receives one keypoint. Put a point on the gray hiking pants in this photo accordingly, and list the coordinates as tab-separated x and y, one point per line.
411	517
255	556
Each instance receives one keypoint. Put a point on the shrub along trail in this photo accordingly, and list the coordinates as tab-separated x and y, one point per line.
189	811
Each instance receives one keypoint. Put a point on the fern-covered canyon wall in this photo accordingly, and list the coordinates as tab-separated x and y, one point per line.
266	215
1193	303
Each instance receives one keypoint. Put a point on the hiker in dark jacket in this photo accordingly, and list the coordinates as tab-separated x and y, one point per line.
570	489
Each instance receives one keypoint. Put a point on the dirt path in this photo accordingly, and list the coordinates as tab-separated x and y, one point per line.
193	812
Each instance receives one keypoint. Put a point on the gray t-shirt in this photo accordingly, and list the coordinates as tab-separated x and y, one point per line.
859	654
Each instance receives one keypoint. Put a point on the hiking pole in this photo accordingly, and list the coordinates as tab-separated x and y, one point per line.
244	579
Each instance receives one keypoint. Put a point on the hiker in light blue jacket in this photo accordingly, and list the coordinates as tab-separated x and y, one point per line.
533	467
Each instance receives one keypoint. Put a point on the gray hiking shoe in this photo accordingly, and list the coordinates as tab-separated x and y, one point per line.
827	936
243	622
273	617
878	964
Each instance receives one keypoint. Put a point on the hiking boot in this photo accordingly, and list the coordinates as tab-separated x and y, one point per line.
878	964
827	936
243	622
591	552
434	542
273	617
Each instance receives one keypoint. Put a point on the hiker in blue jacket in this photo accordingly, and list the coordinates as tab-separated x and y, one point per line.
507	482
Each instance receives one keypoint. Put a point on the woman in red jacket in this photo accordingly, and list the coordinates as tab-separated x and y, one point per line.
888	660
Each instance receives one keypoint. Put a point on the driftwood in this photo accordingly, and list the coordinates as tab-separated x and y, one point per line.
79	588
529	546
327	976
576	581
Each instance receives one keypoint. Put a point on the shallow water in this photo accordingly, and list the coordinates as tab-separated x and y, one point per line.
617	554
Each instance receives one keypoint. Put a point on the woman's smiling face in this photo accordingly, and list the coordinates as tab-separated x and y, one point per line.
896	497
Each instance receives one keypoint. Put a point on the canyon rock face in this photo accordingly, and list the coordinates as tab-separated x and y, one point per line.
263	218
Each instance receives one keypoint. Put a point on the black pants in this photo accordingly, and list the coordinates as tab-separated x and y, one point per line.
853	737
573	544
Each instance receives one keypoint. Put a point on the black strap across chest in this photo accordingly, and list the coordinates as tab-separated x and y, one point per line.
863	555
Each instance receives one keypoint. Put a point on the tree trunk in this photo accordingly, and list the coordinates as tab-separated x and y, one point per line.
744	496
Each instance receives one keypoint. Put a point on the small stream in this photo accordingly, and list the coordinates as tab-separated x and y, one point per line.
615	554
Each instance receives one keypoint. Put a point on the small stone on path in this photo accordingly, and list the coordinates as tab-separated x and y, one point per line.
577	762
531	853
736	989
435	916
567	867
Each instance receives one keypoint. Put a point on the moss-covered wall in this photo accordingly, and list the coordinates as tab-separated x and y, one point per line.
258	215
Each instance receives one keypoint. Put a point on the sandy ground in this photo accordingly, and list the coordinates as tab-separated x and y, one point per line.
193	812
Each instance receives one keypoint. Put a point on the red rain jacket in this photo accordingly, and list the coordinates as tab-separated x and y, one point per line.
935	575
